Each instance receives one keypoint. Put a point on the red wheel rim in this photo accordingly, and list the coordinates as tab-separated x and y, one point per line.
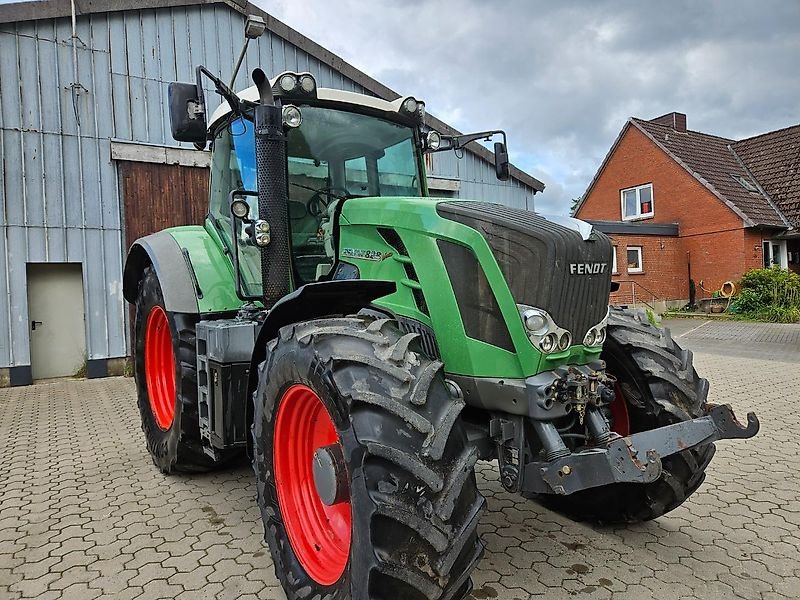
619	413
159	368
320	534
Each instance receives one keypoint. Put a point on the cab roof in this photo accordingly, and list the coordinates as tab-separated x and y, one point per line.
325	94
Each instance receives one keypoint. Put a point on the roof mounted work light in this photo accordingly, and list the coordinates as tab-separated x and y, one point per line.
290	84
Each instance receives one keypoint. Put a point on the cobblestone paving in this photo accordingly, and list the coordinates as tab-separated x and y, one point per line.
84	514
769	341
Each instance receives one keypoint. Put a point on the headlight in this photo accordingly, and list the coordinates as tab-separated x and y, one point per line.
548	343
564	341
543	331
601	336
535	321
597	333
292	116
287	82
433	140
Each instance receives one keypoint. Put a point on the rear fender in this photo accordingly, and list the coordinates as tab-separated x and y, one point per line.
171	265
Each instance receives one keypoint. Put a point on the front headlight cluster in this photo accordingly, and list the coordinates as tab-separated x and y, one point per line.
596	334
543	331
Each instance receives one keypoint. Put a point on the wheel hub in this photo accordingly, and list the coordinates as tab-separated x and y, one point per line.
330	475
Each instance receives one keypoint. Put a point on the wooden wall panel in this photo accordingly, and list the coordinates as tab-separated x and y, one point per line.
159	196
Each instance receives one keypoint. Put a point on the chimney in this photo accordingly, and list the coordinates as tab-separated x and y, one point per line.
675	120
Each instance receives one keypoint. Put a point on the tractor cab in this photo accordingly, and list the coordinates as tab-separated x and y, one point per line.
340	145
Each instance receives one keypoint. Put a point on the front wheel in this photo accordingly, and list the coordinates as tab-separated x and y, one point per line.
365	481
657	386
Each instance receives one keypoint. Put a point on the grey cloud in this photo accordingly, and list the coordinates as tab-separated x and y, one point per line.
562	78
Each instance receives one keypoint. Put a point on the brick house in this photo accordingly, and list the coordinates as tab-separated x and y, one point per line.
681	205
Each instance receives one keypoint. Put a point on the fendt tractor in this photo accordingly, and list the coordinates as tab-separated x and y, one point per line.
366	344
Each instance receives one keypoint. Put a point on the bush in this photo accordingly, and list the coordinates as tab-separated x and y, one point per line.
769	295
779	314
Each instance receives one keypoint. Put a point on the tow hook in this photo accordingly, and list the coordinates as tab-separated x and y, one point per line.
728	425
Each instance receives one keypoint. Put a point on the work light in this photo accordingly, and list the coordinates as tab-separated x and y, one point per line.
292	116
307	83
287	82
433	140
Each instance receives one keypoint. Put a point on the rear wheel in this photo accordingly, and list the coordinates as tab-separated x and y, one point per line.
166	381
365	481
657	386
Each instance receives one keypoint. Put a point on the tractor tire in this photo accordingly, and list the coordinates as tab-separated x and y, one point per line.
166	382
657	386
401	524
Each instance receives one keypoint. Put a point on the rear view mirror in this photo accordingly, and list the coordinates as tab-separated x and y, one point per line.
501	164
186	114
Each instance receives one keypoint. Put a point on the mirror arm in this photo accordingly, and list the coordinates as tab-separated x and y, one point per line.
459	141
221	88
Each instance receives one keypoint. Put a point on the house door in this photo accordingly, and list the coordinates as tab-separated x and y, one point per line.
56	315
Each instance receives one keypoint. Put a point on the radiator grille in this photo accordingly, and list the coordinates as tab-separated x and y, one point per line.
535	254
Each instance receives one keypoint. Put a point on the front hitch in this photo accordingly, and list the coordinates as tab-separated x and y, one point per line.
636	458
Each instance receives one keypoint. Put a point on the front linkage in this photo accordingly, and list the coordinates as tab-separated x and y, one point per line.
632	459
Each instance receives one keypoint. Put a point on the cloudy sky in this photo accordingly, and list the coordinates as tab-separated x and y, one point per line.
562	77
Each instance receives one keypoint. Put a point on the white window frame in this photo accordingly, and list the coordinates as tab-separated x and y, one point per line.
638	215
614	261
781	259
641	259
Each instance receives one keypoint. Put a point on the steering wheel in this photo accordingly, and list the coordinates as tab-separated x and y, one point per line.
318	203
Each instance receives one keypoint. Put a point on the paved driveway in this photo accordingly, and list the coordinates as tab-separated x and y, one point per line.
84	514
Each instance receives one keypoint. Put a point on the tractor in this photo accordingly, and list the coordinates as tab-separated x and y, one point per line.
365	345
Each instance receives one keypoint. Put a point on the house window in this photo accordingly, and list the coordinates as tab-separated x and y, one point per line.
637	202
775	254
635	259
745	183
614	260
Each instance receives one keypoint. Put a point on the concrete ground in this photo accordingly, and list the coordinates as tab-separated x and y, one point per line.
84	514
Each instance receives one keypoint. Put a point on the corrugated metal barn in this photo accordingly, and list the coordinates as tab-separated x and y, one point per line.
88	163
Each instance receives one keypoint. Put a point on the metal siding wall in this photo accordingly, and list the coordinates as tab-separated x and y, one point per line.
59	195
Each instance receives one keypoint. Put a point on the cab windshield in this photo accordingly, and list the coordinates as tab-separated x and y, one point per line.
332	155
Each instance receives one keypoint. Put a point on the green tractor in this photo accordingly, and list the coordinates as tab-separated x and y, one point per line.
365	345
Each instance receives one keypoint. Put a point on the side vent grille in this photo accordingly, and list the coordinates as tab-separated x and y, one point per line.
411	281
480	312
427	339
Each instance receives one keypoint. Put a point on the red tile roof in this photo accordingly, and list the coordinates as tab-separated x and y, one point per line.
712	160
774	160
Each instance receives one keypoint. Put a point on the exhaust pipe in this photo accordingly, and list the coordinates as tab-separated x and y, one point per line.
273	194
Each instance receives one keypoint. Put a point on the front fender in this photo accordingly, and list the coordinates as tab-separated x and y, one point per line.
312	301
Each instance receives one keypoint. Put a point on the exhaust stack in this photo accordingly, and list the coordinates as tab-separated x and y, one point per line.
273	200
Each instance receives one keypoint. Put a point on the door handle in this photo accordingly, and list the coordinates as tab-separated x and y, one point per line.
34	324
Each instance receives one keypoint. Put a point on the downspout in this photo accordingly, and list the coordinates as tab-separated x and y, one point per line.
75	88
